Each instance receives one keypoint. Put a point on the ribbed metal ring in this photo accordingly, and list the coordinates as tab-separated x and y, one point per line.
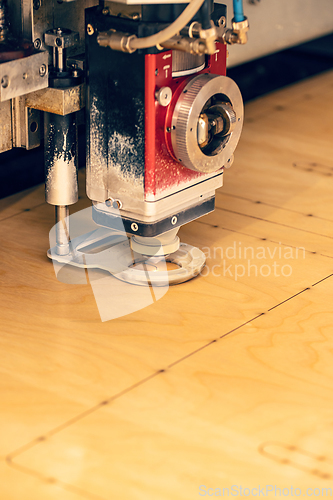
185	119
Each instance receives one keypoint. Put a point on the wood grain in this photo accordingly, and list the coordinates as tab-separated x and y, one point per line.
227	415
225	380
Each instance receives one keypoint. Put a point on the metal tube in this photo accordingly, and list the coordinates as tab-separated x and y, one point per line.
61	57
62	229
55	57
60	152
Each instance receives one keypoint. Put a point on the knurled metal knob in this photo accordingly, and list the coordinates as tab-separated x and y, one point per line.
191	104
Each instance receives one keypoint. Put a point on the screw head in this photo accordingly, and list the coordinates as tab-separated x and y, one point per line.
25	76
174	220
117	204
164	96
4	81
90	29
222	21
37	43
36	4
134	226
42	70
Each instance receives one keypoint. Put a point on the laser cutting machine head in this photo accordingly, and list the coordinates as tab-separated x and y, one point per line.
162	118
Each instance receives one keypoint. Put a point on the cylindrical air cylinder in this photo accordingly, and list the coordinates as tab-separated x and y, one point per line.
61	159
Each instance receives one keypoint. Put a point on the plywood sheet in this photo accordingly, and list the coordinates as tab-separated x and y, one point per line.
253	408
226	380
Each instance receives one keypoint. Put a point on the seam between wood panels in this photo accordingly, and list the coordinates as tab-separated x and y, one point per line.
258	202
11	456
21	212
68	423
273	222
261	239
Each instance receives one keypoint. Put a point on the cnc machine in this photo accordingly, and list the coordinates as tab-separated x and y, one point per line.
162	118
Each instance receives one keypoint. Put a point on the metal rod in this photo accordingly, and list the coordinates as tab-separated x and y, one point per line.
61	57
62	229
55	57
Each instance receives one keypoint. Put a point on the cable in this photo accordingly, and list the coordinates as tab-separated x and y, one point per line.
238	11
174	28
205	15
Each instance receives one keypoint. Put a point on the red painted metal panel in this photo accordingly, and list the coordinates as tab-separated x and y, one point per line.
164	175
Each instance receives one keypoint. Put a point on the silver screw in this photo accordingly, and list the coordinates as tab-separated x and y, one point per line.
42	70
174	220
117	204
37	43
90	29
134	226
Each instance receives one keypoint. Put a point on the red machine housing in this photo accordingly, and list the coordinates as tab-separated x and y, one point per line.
164	175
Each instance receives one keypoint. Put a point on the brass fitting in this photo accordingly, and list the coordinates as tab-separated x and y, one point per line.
238	33
116	40
209	36
195	46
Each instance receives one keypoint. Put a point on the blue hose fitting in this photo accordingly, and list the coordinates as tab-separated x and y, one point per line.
238	11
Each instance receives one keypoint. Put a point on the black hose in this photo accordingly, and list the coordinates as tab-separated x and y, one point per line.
205	13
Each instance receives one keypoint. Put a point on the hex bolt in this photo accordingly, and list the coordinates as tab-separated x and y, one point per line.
117	204
134	226
42	70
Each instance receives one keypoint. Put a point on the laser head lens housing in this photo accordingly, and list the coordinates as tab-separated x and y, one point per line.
207	122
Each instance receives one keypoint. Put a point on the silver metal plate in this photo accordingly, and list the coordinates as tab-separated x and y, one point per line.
22	76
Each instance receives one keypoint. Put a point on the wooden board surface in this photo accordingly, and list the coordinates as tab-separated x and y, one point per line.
226	381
